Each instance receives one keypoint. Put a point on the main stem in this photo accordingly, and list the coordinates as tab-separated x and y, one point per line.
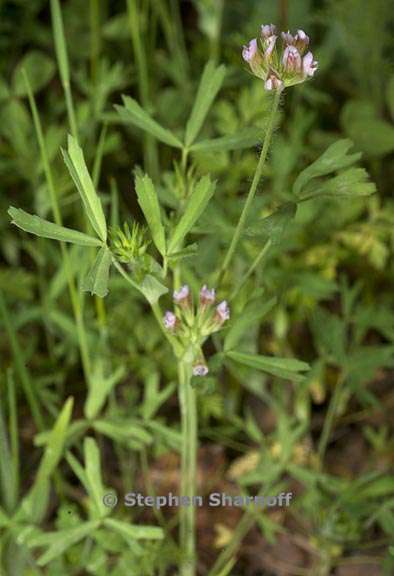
253	188
187	536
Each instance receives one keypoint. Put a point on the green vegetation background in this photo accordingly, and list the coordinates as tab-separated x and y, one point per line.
331	275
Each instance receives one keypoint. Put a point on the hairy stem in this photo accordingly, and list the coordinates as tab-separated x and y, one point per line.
253	188
187	399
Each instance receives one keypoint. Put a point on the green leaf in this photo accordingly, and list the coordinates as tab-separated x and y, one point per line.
96	280
274	225
34	504
335	158
99	388
194	208
379	488
124	431
75	163
186	252
58	542
349	183
134	532
211	81
152	289
54	448
132	112
39	69
287	368
94	486
148	200
246	138
45	229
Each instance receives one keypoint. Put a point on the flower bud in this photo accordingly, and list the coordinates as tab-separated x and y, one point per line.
182	296
268	30
250	51
273	83
207	296
292	62
287	38
222	312
252	56
200	369
301	41
269	46
309	65
170	320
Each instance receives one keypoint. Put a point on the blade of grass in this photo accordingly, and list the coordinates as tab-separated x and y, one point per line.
134	16
6	469
95	37
74	295
173	39
20	367
13	428
62	60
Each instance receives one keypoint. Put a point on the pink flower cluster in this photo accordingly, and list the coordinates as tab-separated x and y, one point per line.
194	326
280	65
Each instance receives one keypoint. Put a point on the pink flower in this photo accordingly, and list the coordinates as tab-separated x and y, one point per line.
309	65
207	296
268	30
170	320
182	295
250	51
223	311
287	38
200	369
273	83
292	60
269	47
301	40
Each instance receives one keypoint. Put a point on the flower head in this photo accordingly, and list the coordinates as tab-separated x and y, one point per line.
223	311
182	296
280	64
200	369
170	320
207	296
